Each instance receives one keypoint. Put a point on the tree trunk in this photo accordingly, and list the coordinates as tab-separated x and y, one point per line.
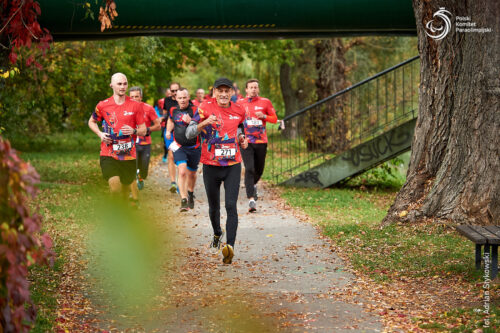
328	124
290	99
454	171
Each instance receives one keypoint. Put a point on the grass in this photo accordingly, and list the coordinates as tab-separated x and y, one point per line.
351	217
70	178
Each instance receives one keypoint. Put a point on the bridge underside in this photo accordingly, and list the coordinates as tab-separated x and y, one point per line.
231	19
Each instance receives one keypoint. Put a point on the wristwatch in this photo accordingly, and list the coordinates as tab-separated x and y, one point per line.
135	131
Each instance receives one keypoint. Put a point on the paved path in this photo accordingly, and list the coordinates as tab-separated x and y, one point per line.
283	278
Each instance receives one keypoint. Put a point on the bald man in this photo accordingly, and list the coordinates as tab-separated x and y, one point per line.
122	120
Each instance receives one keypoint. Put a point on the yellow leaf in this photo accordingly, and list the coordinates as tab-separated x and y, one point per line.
269	235
403	213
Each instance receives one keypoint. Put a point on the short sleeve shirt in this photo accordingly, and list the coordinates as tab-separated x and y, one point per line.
113	118
255	128
149	117
220	145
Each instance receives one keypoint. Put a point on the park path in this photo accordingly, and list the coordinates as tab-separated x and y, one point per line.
284	276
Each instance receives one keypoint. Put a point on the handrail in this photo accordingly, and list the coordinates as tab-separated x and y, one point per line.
298	113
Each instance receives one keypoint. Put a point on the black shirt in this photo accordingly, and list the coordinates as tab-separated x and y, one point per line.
176	114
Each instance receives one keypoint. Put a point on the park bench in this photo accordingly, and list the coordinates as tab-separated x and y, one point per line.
487	236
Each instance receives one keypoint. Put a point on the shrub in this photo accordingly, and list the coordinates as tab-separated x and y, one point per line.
20	242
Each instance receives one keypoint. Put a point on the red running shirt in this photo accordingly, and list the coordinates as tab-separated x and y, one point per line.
255	128
149	117
220	145
113	117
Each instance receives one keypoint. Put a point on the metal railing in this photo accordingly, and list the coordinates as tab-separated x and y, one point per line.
344	120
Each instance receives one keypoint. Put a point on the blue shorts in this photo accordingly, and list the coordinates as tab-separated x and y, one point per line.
167	141
190	156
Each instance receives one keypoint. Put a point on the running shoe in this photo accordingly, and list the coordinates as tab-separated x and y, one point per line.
252	206
255	194
184	205
173	187
140	184
164	159
227	253
191	200
135	203
216	242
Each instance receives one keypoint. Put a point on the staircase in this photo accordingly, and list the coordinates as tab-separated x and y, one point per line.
377	116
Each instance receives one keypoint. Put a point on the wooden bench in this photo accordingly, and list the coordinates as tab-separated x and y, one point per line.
487	236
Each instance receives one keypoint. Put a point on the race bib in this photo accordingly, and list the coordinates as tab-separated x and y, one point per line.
254	122
173	146
225	151
122	146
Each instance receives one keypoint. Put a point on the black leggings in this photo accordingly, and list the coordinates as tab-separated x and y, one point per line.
213	176
254	158
143	156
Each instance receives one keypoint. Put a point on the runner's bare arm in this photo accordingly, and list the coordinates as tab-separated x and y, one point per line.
95	128
241	137
170	128
141	130
156	126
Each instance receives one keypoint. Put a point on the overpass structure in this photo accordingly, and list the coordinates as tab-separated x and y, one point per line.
230	19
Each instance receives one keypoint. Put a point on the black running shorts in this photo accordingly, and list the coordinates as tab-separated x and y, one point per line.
124	169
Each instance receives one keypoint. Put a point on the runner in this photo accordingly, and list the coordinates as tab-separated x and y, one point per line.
219	122
170	102
160	103
258	111
143	143
121	118
186	152
200	95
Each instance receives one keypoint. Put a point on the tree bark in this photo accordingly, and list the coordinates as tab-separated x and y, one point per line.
454	171
327	125
289	98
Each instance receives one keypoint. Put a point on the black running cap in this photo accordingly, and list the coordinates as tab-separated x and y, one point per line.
223	81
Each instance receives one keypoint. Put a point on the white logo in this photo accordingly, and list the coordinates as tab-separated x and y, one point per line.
126	113
441	30
233	117
259	108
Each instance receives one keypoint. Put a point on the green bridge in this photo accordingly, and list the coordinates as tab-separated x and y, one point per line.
256	19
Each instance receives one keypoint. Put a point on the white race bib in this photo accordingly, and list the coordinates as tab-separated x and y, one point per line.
254	122
226	153
122	147
173	146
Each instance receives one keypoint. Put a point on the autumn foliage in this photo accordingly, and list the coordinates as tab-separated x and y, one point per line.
20	28
20	243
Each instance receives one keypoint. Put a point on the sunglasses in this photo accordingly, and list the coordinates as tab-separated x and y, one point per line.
173	90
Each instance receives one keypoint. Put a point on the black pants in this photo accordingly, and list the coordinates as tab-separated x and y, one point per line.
143	156
213	176
254	158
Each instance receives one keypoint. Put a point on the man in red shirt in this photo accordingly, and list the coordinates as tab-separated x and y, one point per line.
121	118
219	122
258	111
200	95
143	143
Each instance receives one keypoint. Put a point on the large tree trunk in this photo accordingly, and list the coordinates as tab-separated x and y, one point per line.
327	125
454	172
